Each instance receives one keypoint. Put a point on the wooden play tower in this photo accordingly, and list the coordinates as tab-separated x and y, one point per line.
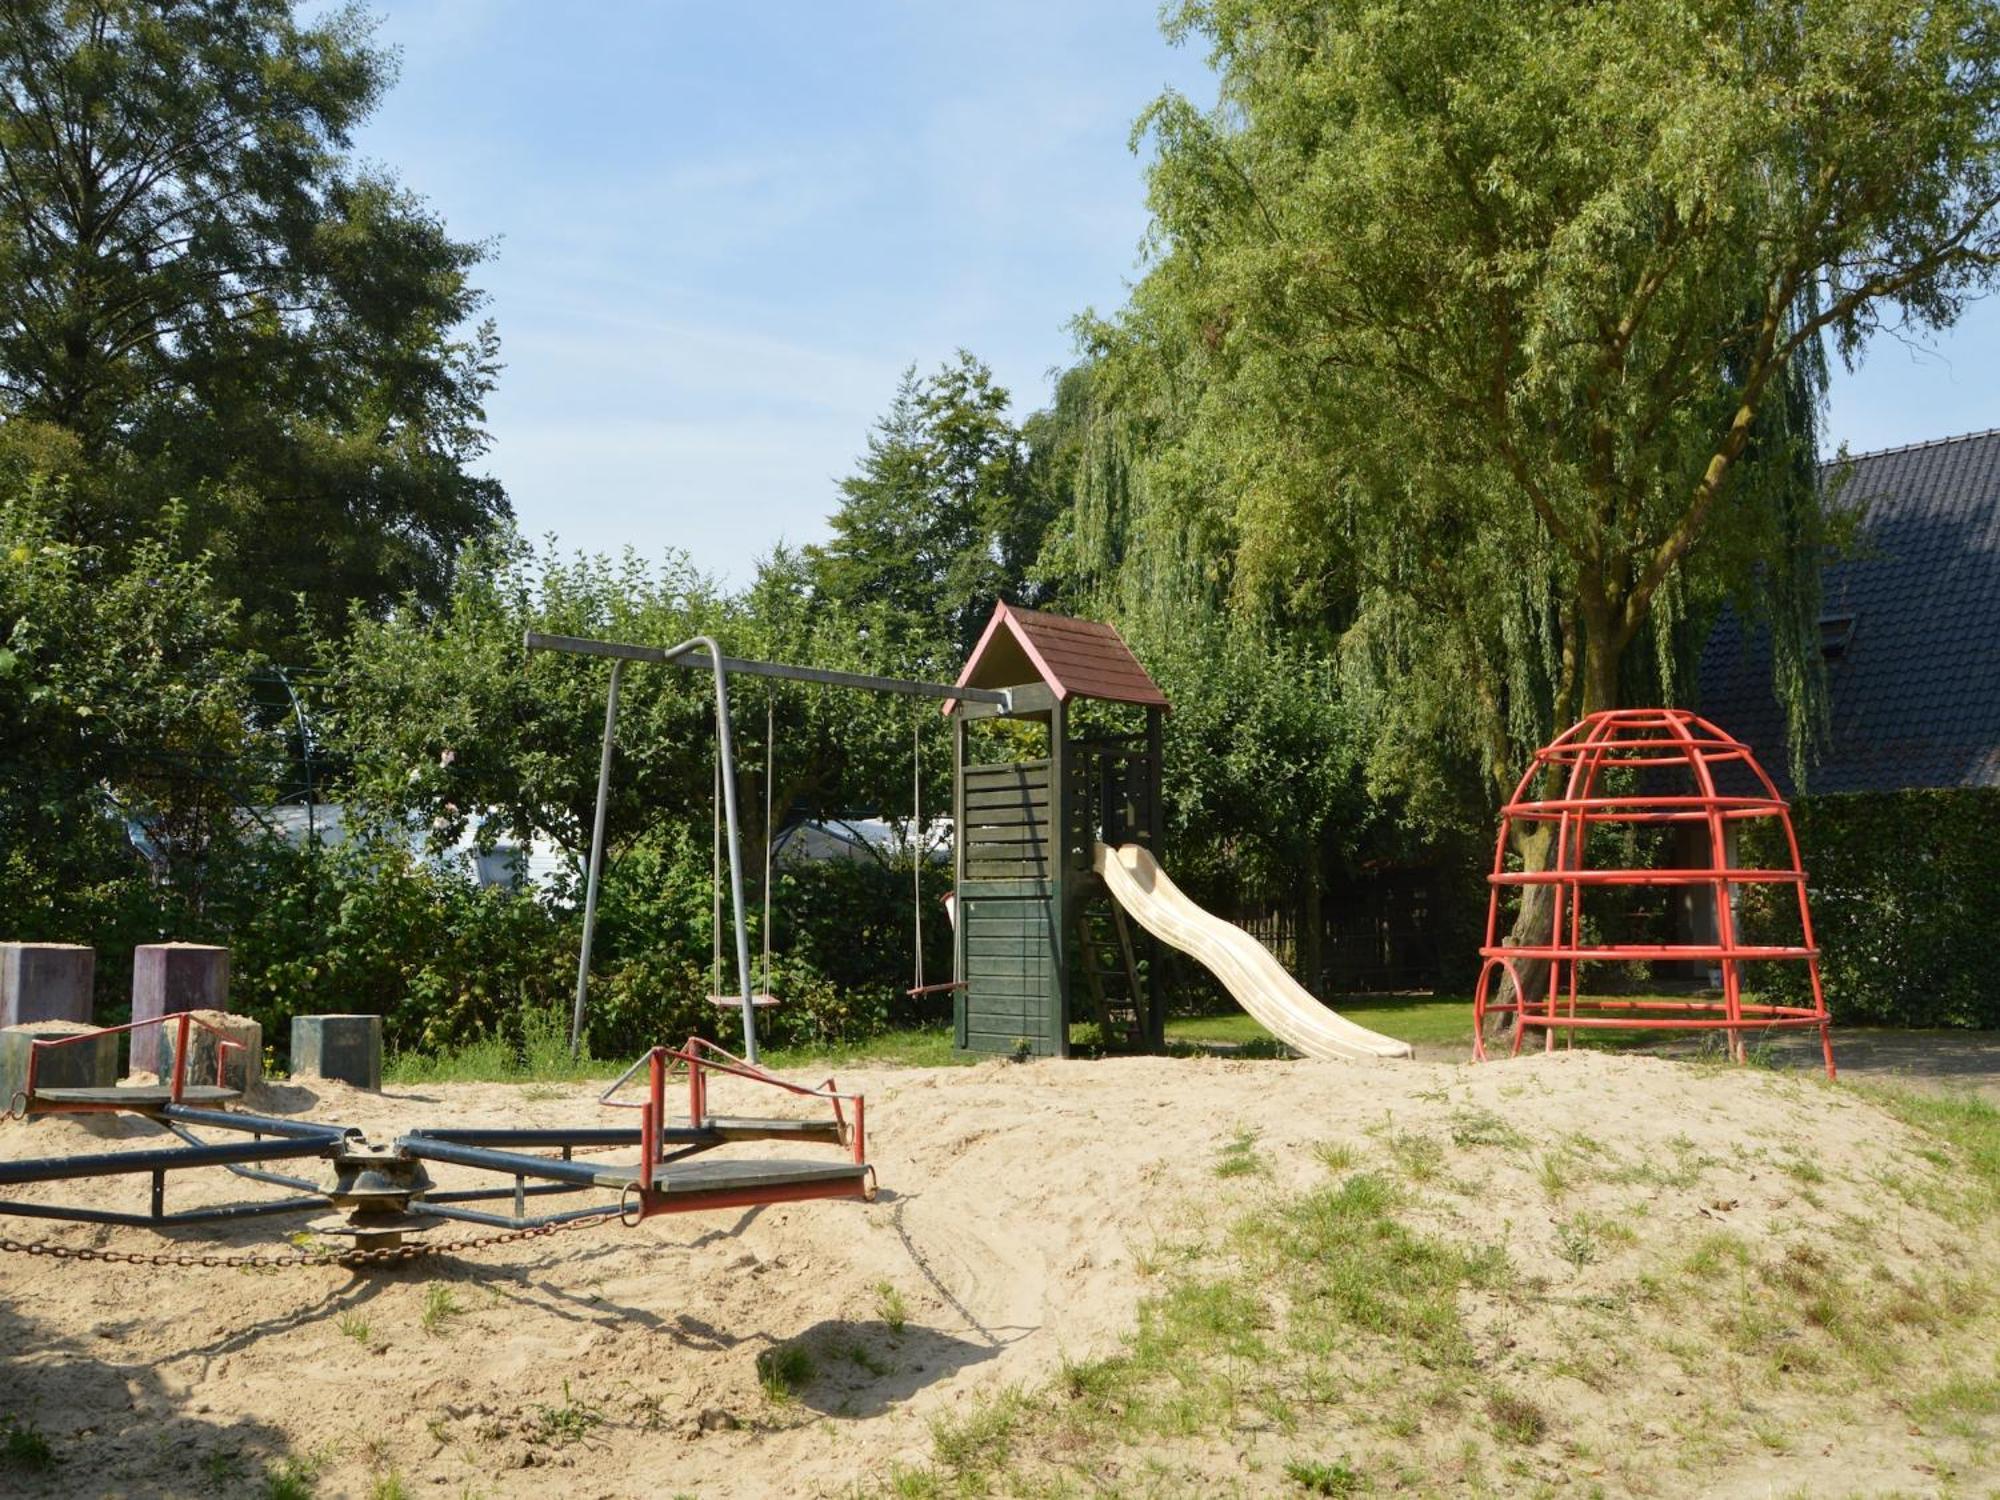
1036	927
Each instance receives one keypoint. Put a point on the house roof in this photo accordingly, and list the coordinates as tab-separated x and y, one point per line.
1911	626
1075	658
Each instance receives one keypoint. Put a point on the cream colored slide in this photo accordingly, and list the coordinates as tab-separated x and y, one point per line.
1255	979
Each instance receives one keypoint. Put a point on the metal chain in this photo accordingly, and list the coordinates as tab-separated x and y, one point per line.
386	1255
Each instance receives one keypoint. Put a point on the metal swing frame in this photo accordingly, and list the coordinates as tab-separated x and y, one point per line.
701	654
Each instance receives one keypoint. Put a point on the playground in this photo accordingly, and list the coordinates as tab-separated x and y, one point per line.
1676	1277
1542	1233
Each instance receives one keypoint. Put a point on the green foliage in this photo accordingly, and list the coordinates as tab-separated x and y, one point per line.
124	727
1901	888
1487	343
23	1446
941	520
784	1370
207	299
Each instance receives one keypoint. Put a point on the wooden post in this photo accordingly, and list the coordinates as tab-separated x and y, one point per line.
167	979
46	982
1159	982
959	969
1061	886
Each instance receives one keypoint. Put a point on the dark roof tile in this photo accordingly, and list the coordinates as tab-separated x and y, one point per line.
1915	697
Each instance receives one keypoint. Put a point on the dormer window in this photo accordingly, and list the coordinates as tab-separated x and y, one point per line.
1835	632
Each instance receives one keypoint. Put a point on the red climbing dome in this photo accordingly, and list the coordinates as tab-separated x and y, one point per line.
1667	767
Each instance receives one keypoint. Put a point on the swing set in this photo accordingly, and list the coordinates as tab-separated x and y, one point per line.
701	654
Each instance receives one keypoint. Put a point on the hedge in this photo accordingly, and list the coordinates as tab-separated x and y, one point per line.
1905	896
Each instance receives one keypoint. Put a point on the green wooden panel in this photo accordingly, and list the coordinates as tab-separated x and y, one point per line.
1009	966
1006	890
1013	794
1007	827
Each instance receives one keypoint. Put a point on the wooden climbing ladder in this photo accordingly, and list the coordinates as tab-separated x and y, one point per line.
1111	972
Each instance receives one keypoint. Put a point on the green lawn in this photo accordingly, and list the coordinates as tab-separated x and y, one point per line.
1422	1020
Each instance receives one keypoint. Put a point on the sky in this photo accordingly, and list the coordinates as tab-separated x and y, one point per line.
720	234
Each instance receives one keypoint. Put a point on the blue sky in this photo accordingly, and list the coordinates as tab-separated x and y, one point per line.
723	231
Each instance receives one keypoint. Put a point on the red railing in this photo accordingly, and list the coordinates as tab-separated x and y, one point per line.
182	1021
702	1058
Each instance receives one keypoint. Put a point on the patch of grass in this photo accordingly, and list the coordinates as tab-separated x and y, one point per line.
1423	1020
859	1355
1336	1156
572	1422
1240	1157
1969	1128
1482	1127
23	1448
354	1326
1577	1242
390	1486
1317	1477
911	1047
539	1055
222	1466
1516	1418
1552	1172
1420	1156
292	1478
440	1307
891	1308
976	1444
783	1371
1961	1404
1802	1168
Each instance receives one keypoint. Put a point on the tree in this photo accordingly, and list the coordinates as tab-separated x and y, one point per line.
201	297
1473	302
940	519
1489	340
124	723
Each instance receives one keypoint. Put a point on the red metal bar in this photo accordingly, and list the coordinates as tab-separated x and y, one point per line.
181	1058
1646	877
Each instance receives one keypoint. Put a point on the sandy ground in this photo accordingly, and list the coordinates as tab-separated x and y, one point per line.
1014	1201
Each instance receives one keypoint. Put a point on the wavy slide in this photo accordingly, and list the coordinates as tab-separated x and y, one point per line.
1255	979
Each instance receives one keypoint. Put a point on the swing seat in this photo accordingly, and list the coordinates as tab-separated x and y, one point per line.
735	1002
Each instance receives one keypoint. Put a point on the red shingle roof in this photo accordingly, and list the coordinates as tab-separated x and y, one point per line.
1076	658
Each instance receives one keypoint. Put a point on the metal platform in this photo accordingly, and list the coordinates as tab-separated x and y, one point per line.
139	1097
676	1178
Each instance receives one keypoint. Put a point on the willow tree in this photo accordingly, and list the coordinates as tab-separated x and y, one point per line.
1492	336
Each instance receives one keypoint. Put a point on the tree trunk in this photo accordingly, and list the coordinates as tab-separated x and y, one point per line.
1311	951
1534	923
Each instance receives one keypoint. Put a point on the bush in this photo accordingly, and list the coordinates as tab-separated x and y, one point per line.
1902	891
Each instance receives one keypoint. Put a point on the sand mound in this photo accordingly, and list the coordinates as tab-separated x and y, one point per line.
1018	1205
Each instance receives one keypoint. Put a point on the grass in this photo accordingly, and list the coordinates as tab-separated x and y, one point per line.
24	1449
783	1371
1259	1331
891	1308
1240	1157
560	1426
541	1056
1319	1478
440	1307
354	1326
911	1047
292	1479
1343	1316
1423	1020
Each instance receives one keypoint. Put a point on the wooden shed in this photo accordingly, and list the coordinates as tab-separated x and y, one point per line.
1036	927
